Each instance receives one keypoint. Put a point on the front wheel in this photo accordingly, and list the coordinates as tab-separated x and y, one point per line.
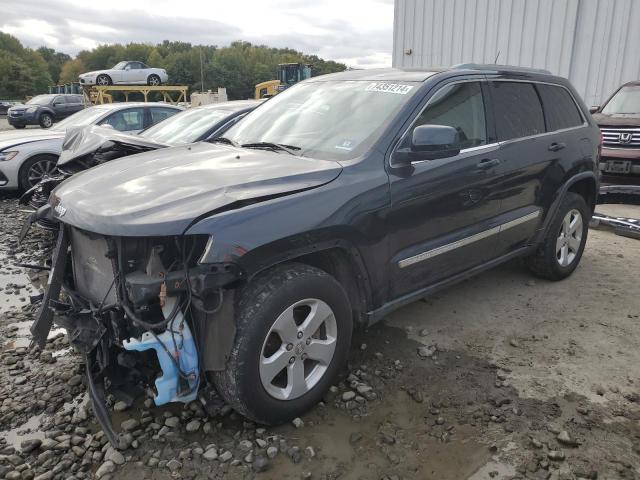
36	169
563	245
154	80
103	80
293	335
46	120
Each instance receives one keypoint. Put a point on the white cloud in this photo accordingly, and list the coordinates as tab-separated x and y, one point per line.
358	32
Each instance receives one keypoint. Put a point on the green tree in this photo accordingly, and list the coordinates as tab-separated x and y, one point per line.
71	70
54	60
238	67
15	76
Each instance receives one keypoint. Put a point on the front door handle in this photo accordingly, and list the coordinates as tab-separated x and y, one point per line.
488	162
555	147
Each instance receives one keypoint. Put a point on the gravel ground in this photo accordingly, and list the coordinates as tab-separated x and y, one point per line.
501	377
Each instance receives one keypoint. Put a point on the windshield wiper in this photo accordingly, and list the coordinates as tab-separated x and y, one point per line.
273	146
226	140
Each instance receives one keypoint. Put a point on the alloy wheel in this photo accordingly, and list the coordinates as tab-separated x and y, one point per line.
569	238
102	80
47	121
40	170
154	81
298	349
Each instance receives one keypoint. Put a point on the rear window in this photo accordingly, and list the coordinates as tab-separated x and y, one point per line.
560	109
518	111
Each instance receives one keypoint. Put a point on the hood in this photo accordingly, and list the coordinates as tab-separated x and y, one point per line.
83	141
90	73
617	120
164	191
12	139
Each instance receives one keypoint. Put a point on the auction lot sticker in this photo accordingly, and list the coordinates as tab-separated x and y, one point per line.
389	88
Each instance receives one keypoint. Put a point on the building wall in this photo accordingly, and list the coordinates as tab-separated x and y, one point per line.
595	43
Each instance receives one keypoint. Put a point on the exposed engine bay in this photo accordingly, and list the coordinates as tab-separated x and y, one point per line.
144	313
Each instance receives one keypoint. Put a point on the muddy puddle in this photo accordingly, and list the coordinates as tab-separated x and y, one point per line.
413	452
21	337
31	429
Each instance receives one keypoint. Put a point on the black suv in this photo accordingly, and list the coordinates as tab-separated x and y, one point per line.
44	110
245	264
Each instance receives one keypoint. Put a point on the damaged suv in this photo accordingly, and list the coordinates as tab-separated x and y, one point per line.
238	269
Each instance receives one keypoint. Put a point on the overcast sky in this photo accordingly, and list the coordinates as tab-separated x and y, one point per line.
356	32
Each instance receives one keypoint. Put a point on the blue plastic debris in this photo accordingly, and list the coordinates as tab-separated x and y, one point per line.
170	387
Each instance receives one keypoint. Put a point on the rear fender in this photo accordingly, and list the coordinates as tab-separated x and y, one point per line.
561	193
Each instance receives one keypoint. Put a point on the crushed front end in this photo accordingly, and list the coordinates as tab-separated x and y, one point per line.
143	311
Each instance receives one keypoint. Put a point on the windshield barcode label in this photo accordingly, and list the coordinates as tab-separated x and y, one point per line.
389	88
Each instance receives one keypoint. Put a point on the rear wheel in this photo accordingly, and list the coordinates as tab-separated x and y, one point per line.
563	245
103	80
35	169
45	120
153	80
293	335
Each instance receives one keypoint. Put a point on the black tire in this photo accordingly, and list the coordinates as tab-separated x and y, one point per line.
154	80
45	120
103	80
19	127
24	182
260	304
545	263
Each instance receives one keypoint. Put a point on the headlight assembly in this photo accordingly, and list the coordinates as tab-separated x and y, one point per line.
4	156
31	109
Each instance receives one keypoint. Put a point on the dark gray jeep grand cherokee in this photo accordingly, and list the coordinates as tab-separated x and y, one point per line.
238	268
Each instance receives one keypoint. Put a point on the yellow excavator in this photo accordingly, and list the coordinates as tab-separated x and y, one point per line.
288	74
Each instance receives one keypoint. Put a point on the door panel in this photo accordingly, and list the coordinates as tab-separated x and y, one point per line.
444	212
531	123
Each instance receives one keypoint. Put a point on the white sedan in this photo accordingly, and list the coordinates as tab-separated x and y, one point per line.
126	73
27	156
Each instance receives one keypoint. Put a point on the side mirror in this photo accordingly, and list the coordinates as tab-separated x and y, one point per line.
594	109
429	142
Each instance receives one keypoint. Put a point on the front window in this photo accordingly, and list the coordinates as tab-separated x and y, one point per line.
331	120
119	66
126	120
460	106
186	127
85	117
40	100
627	100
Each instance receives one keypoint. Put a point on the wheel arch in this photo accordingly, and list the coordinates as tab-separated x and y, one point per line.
585	184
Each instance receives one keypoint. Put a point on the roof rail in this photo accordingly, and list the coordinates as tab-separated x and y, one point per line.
501	68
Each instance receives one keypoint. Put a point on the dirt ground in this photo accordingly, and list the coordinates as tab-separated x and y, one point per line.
501	377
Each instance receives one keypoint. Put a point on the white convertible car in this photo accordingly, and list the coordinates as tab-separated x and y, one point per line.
126	73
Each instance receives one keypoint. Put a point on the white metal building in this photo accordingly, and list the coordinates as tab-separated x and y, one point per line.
595	43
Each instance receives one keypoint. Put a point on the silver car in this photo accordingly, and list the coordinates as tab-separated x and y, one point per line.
26	157
126	73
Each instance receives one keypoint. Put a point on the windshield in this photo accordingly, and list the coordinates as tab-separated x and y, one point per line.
332	120
119	66
185	127
88	116
627	100
40	100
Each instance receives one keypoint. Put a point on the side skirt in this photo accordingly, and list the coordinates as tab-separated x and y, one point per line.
376	315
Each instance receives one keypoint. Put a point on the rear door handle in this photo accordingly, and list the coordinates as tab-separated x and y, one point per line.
488	162
555	147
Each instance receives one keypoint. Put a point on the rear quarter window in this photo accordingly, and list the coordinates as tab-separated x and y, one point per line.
560	109
518	111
